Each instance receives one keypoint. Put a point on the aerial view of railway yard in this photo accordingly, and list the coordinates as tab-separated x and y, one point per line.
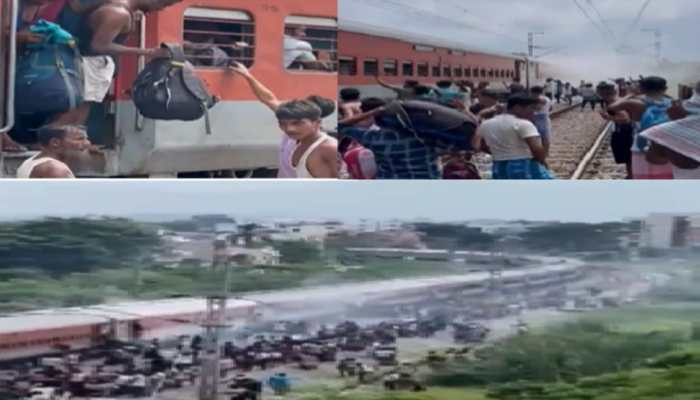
224	293
587	74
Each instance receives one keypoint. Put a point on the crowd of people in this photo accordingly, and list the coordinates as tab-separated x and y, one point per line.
97	32
651	136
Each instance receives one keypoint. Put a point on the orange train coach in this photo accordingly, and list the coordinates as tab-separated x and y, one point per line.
244	135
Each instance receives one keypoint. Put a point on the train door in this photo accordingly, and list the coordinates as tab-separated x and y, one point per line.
8	27
518	69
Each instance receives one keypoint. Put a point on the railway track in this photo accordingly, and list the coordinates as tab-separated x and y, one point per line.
580	147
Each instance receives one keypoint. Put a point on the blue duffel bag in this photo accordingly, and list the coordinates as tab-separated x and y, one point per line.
49	77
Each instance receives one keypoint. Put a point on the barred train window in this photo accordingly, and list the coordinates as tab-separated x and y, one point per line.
311	44
436	70
371	67
407	68
391	67
347	66
458	72
214	38
447	71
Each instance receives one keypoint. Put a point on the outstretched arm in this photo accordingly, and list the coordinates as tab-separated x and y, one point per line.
265	95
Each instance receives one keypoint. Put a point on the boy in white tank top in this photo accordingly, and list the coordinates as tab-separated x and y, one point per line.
316	153
60	145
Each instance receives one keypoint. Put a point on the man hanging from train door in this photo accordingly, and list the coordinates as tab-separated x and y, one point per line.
101	35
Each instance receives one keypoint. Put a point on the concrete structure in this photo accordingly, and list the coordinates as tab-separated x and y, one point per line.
670	231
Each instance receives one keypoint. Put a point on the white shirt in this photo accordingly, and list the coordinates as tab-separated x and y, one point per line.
25	169
551	87
505	135
295	49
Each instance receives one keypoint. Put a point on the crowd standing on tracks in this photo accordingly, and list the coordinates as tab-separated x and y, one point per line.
434	132
89	37
420	135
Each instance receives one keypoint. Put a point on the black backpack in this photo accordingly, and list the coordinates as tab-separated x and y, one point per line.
169	89
430	120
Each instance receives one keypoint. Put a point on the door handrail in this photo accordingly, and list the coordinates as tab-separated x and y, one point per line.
12	62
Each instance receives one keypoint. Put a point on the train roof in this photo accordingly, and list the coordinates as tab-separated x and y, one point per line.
123	311
414	38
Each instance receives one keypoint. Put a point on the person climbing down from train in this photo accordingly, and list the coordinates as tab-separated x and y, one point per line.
407	92
30	12
647	110
293	147
349	102
623	135
514	142
542	118
101	35
61	146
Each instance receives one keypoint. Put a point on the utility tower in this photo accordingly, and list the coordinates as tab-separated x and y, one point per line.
214	323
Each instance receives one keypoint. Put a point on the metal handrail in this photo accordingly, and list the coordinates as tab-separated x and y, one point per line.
10	95
141	65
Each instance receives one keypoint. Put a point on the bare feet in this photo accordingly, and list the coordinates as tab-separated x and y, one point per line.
9	145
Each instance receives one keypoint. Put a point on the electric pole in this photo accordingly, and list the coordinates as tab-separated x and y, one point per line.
657	42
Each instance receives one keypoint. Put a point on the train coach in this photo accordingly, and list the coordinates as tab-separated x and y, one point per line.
244	136
363	56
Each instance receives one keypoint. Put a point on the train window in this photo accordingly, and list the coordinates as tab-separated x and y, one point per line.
213	38
447	71
491	73
391	67
475	72
423	69
347	66
468	72
311	44
483	72
407	68
436	70
371	67
458	72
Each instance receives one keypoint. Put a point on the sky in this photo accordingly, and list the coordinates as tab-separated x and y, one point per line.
571	38
440	201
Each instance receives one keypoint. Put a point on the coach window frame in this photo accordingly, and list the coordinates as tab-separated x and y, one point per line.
409	64
343	61
436	70
365	69
314	23
226	18
395	67
423	69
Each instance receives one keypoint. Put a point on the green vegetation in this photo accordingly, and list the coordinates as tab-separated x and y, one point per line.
60	246
565	353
